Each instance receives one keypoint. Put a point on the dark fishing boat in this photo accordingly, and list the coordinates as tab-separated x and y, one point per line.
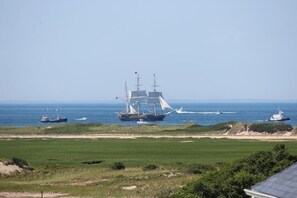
58	119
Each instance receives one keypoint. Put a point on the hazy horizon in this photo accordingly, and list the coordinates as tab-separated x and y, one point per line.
55	51
170	101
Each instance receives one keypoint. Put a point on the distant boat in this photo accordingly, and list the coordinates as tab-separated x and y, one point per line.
180	110
45	118
218	112
82	119
141	121
279	117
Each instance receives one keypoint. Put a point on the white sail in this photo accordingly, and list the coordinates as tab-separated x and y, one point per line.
164	104
137	96
153	97
132	110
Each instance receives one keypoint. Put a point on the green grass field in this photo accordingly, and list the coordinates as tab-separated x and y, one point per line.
59	168
136	152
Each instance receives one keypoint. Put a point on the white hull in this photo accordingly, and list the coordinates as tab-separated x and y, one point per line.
279	117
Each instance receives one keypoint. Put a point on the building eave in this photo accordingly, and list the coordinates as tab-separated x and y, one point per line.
256	194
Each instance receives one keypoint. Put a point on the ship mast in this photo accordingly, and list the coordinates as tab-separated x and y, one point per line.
137	88
57	110
138	81
154	86
127	97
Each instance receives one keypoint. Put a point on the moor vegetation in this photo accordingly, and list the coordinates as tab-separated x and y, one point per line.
189	128
231	178
270	127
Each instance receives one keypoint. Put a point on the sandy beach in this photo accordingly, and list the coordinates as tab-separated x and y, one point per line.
241	136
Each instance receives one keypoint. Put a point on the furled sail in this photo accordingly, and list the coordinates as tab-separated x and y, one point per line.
153	97
132	110
164	104
139	96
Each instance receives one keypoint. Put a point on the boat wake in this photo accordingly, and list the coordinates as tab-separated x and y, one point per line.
181	111
82	119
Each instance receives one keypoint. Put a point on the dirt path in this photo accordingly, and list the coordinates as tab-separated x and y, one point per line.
135	136
32	195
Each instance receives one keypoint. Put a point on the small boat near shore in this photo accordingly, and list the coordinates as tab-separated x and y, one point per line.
278	117
141	121
58	119
82	119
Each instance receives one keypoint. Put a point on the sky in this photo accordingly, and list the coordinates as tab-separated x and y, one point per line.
84	51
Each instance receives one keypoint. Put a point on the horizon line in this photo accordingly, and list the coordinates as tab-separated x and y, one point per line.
171	101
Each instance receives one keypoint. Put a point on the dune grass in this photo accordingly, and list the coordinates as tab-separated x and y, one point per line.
97	128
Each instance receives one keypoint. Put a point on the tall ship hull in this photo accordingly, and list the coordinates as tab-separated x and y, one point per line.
138	100
137	117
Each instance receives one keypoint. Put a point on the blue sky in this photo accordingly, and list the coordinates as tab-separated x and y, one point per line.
199	50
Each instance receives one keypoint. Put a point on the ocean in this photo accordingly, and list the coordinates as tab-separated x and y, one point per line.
200	113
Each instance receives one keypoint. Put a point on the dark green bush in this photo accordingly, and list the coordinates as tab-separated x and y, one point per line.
93	162
270	127
117	166
19	162
232	178
150	167
197	168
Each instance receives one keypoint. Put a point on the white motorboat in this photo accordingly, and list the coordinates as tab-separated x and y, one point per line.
141	121
218	112
279	117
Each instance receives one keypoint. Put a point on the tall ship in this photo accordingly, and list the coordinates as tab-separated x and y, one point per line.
144	106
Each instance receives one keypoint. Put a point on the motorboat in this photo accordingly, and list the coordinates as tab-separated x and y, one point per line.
279	117
141	121
218	112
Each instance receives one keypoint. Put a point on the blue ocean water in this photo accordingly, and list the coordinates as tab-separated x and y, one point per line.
200	113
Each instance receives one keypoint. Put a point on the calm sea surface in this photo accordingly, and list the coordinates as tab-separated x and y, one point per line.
200	113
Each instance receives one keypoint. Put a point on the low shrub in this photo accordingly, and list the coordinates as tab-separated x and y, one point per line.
117	166
93	162
19	162
150	167
198	168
